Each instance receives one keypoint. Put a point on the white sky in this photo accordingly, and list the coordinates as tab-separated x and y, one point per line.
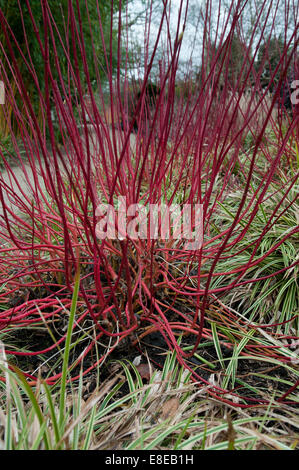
190	36
193	36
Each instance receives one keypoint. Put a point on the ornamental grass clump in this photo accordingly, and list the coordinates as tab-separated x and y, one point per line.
223	142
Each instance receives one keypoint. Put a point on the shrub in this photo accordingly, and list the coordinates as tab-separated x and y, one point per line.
186	150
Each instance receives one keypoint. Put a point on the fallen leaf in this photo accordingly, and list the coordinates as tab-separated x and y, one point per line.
144	371
137	361
170	408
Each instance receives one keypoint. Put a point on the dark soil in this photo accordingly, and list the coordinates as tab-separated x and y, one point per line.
153	346
250	374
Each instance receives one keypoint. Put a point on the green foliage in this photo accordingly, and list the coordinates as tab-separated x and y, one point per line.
8	151
23	38
275	298
19	20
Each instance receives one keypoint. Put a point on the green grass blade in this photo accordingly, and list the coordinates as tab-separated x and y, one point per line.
67	352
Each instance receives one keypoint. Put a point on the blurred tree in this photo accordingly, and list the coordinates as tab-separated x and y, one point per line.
24	40
229	63
19	20
269	57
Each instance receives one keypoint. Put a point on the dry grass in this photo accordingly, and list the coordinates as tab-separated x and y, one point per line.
169	412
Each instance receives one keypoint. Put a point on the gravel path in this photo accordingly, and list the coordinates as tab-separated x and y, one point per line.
20	178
